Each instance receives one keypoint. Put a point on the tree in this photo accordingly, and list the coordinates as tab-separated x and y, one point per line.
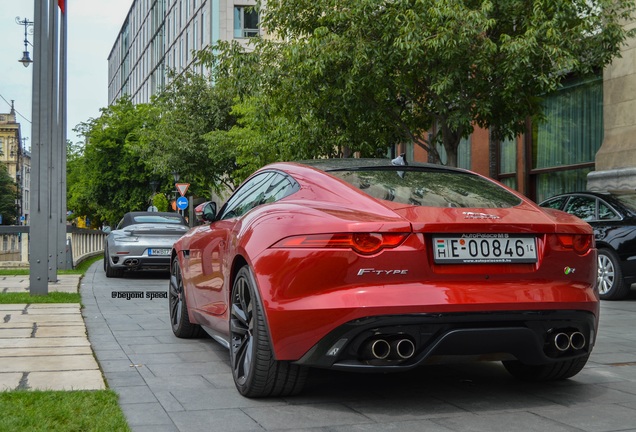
108	178
184	112
7	197
369	73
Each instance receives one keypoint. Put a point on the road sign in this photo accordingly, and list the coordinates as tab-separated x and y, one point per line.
182	203
182	187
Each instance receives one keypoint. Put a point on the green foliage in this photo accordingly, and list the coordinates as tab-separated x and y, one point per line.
188	109
7	197
108	177
370	73
342	77
161	202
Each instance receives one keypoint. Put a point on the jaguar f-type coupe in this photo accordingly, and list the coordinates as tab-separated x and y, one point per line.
367	266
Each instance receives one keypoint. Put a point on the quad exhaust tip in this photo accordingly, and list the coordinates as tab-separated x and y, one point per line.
395	349
564	341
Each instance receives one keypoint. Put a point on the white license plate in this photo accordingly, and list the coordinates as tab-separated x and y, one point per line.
484	248
158	251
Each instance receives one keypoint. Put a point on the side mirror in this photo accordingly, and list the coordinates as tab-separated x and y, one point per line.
209	212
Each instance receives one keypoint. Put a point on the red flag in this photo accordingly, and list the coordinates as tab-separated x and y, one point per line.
60	3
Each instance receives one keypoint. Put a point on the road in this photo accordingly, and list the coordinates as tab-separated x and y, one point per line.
170	384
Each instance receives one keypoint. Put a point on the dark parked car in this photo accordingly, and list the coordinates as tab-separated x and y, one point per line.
612	215
142	241
361	265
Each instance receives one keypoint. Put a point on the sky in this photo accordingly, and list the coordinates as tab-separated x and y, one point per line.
93	26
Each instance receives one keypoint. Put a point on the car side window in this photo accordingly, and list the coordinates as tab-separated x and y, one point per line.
556	203
582	207
261	189
605	212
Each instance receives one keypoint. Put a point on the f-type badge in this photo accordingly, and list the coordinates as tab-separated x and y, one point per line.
377	272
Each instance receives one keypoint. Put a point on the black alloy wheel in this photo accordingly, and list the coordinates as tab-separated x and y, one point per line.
255	371
179	320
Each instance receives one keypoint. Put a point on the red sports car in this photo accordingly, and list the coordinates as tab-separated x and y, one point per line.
363	265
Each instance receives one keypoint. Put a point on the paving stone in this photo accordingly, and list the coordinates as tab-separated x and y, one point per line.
29	342
67	380
45	351
47	363
20	333
9	380
60	331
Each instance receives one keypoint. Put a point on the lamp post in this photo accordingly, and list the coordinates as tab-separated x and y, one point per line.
153	185
26	59
176	177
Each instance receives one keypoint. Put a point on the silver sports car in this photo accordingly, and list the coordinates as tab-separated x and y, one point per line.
142	241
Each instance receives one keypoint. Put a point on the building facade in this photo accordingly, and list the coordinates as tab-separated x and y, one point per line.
17	162
159	36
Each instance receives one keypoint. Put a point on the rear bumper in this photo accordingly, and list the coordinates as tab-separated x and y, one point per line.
140	262
528	336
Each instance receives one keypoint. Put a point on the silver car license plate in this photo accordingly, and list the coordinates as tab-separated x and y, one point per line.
158	251
484	248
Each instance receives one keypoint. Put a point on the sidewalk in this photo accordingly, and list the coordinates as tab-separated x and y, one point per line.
45	346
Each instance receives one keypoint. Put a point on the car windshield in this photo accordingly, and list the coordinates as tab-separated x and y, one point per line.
158	219
627	199
429	188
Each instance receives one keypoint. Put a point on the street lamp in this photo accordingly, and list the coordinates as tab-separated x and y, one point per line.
26	59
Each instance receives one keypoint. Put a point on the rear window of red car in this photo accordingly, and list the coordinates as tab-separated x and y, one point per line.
434	188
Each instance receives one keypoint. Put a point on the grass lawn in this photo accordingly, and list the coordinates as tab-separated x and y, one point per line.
67	411
26	298
80	269
52	297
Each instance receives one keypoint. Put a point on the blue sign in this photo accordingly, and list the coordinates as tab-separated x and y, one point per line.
182	203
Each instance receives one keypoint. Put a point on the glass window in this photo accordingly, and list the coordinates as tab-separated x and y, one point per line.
567	140
463	154
261	189
582	207
556	203
245	21
628	199
159	219
605	212
573	128
429	187
557	182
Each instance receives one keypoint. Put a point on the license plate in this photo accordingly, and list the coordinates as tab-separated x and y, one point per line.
484	248
158	251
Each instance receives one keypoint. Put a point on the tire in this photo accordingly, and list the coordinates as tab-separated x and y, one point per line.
108	268
549	372
611	285
255	371
179	319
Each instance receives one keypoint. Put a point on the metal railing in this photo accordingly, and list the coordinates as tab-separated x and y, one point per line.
80	244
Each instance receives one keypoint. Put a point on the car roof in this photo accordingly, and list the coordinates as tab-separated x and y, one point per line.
612	197
365	163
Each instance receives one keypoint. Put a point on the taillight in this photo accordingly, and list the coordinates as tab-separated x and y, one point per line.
363	243
579	243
